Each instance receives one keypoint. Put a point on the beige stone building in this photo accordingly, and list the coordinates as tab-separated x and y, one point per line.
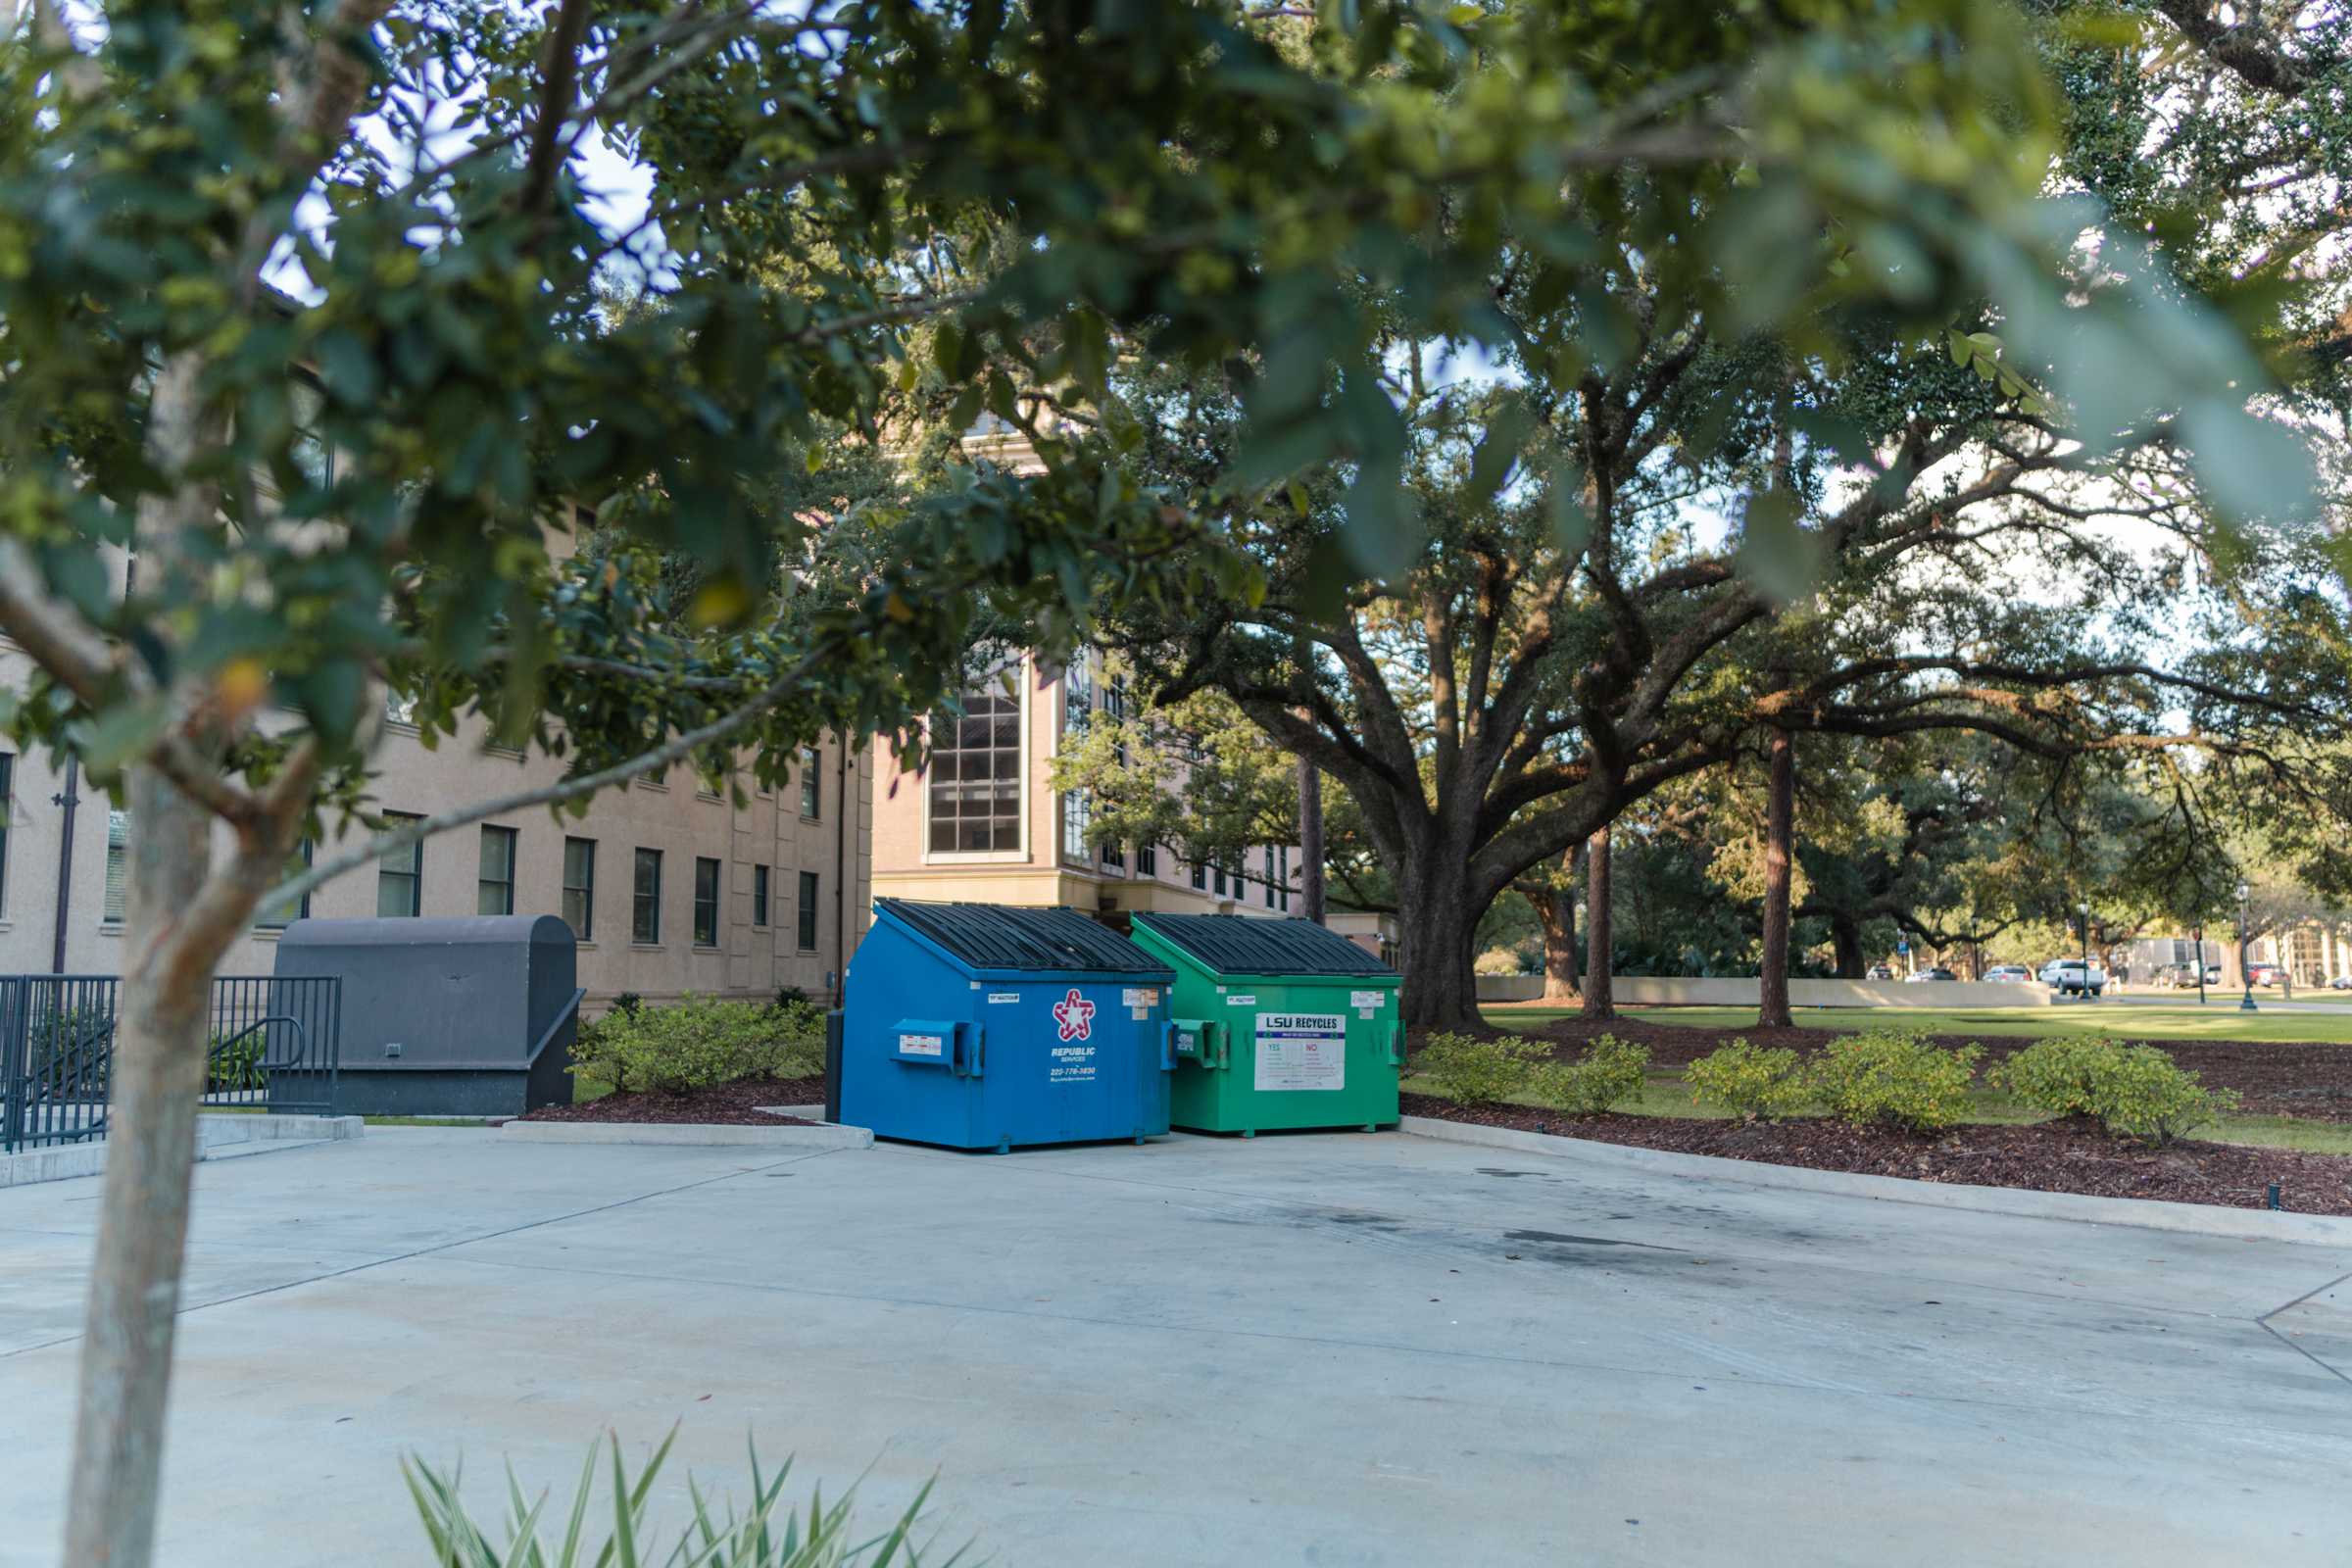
669	889
983	823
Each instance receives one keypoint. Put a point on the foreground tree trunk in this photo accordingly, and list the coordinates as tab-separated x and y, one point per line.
1310	841
1599	961
158	1077
1779	814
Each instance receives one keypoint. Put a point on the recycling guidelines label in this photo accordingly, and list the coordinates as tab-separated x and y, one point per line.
920	1045
1365	998
1301	1051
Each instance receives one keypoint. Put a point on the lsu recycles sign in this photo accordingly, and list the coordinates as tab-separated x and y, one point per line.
1301	1051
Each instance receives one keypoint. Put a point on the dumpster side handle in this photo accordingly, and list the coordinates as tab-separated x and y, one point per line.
1167	1045
1397	1043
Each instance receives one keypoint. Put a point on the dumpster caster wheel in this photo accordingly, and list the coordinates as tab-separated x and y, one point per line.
1368	1127
1139	1138
1005	1146
1248	1132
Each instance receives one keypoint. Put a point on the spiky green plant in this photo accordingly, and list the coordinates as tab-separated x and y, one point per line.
768	1534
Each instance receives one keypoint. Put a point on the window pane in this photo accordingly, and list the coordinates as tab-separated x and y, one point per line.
118	863
7	807
758	895
973	790
811	781
705	902
495	890
278	916
807	912
398	876
579	886
645	923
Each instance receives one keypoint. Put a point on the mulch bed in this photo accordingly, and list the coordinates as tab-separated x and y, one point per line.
2068	1156
2276	1078
733	1105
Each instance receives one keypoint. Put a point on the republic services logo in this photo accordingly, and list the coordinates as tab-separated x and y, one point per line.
1075	1014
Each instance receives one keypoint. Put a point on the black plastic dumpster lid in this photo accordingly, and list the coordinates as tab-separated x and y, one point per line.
1240	944
997	936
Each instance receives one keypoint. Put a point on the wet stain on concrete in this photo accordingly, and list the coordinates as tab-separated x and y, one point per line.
1565	1240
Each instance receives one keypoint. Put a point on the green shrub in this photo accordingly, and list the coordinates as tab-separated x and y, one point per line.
2060	1076
2144	1093
697	1042
235	1064
1479	1072
1610	1072
1894	1077
1749	1081
2133	1091
768	1534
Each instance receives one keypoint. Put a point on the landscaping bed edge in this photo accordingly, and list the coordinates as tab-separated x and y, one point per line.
2251	1224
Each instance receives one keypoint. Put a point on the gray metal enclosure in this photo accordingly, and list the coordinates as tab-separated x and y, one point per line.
462	1017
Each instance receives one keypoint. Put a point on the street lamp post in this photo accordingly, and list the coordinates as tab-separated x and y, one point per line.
2083	910
2244	974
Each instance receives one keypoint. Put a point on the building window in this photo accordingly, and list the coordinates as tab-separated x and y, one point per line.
494	887
579	887
278	916
1146	859
1078	692
400	874
117	865
645	914
807	931
758	895
1269	877
1199	877
8	808
974	790
705	902
400	709
1221	881
813	778
1077	824
1286	879
1114	856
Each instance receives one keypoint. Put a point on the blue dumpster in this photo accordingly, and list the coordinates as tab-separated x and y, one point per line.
983	1026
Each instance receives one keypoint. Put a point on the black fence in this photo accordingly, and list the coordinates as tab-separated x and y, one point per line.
272	1046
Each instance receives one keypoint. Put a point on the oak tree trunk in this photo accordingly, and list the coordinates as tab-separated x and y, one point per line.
1310	841
1845	940
1555	912
1599	959
1780	811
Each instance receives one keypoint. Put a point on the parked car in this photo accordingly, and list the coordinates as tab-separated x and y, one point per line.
2072	977
2263	974
1879	971
1933	972
2010	974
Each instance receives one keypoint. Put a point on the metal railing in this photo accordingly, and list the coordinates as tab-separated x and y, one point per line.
271	1045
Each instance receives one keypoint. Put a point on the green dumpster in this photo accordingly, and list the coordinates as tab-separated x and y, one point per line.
1279	1023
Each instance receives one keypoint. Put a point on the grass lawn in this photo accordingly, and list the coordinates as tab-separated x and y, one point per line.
2214	1021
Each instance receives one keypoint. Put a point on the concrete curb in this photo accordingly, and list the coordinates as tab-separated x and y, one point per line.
216	1137
2196	1219
691	1134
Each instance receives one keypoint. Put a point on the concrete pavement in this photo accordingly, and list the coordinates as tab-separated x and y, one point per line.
1341	1349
